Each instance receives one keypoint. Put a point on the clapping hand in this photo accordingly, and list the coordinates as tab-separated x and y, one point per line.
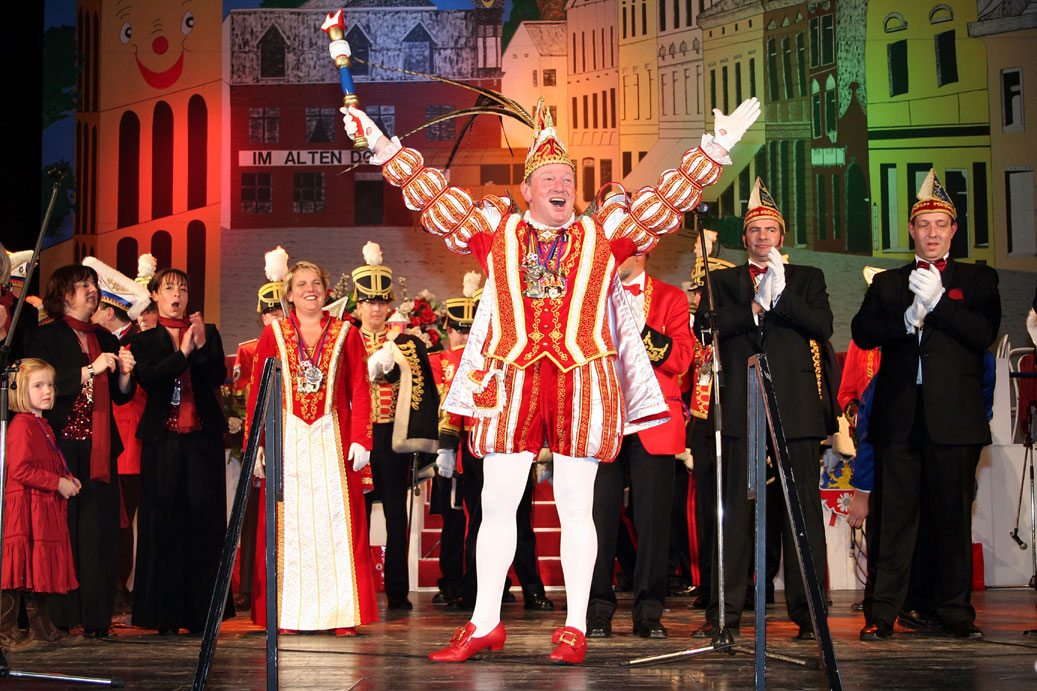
126	360
776	270
197	329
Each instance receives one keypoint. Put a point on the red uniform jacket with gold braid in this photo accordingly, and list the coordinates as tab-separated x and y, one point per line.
572	330
668	340
858	370
452	426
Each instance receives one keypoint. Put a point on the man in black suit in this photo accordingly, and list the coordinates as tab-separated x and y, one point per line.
767	307
933	319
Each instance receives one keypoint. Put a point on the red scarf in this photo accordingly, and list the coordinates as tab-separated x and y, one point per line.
100	435
187	421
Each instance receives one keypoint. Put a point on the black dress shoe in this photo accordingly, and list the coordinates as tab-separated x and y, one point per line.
508	597
599	628
539	602
399	603
461	604
700	602
712	630
682	590
442	598
877	631
805	634
965	629
649	628
918	619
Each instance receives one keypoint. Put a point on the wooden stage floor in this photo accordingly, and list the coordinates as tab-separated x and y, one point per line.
391	654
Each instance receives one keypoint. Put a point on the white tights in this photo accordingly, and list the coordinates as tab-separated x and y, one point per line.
504	482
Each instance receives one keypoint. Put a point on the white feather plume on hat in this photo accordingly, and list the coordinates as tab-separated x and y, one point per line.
276	264
146	265
471	283
373	254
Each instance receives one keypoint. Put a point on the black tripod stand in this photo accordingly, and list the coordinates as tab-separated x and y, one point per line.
7	369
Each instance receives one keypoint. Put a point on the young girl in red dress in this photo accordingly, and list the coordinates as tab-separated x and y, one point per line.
37	553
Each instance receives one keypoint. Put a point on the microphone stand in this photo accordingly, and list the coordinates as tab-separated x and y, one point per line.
6	370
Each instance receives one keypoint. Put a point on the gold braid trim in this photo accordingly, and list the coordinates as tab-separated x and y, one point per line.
815	355
417	376
655	353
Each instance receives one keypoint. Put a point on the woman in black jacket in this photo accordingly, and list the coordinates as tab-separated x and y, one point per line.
91	373
182	515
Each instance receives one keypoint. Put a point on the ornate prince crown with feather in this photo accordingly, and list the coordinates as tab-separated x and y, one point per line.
547	148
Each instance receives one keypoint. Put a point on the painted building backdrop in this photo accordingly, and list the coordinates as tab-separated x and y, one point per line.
208	135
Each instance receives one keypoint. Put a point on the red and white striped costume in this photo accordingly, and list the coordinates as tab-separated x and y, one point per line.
549	363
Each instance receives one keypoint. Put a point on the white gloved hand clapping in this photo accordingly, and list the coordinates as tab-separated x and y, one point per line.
730	128
357	122
446	462
915	315
359	455
927	284
380	363
776	270
1031	325
765	291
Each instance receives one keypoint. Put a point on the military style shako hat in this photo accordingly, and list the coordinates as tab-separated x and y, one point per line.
547	148
460	312
119	290
932	197
372	281
276	268
761	205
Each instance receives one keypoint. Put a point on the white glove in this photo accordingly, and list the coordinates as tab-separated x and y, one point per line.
776	267
380	363
927	284
259	470
446	462
356	120
730	128
339	47
359	455
1031	325
765	291
914	316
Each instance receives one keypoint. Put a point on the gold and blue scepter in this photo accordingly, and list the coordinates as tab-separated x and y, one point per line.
335	27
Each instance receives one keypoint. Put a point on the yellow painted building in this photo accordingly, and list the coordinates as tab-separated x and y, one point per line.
733	44
638	21
927	108
148	154
593	81
1010	35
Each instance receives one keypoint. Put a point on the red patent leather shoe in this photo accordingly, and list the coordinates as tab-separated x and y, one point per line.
463	645
345	631
287	632
572	646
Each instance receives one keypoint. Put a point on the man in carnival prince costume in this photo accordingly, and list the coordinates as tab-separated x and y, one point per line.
554	358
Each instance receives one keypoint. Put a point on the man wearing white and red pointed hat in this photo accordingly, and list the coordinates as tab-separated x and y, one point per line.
542	367
766	306
934	318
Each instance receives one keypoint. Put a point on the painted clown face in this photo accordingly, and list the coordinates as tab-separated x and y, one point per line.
156	32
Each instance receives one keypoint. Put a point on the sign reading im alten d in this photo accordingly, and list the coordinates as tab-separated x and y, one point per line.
314	157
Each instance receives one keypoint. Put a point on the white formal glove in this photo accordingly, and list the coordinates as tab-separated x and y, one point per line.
356	120
765	291
339	47
259	470
776	267
359	455
446	462
380	363
730	128
1031	325
927	284
915	315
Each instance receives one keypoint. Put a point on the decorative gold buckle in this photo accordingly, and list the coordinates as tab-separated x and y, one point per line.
459	635
569	637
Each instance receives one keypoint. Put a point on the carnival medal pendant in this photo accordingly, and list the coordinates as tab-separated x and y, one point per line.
310	379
